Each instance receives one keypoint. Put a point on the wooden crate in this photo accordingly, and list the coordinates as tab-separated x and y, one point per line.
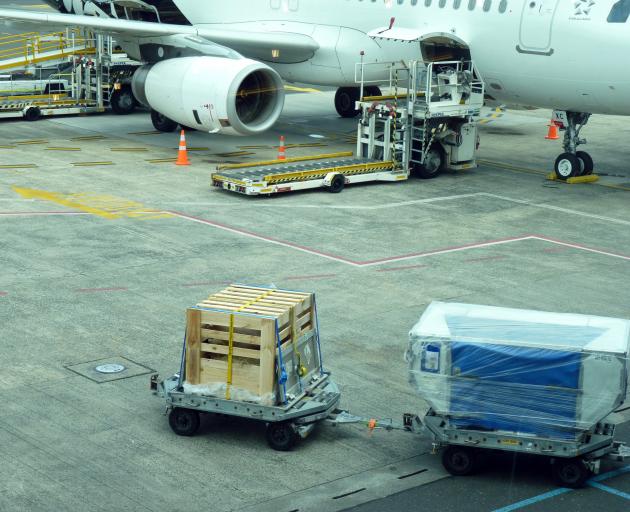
249	316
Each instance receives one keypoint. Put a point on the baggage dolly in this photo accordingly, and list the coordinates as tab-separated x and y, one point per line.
285	423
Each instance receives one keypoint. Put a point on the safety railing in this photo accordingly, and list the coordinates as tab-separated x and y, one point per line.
449	82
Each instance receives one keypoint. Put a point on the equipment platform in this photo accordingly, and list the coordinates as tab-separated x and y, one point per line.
332	173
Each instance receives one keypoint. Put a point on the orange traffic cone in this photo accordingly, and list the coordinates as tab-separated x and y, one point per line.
182	157
553	131
282	150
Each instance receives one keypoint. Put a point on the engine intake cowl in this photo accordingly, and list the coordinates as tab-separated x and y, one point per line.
212	93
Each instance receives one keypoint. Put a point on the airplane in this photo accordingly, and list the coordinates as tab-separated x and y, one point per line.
220	66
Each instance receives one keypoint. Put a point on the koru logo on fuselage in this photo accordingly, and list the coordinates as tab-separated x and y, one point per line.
583	9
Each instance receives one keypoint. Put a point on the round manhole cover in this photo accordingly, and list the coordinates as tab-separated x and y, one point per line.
110	368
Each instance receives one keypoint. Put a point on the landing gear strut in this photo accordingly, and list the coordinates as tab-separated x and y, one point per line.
572	162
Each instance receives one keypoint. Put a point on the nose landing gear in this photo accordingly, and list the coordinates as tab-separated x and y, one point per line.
572	162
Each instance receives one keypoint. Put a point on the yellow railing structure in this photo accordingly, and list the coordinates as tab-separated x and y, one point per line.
21	50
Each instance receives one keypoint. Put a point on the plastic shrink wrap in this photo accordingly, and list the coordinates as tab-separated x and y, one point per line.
549	375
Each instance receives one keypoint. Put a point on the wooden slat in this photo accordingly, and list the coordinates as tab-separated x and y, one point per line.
236	306
267	354
224	349
224	336
193	340
242	377
218	318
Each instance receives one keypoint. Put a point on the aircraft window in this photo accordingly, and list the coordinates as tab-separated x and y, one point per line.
487	5
427	3
442	4
400	2
620	12
414	2
472	4
503	6
457	4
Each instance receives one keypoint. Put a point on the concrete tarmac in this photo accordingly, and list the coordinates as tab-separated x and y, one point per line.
105	242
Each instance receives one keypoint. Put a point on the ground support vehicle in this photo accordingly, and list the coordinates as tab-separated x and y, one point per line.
425	126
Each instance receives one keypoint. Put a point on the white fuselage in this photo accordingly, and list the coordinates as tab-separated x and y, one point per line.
541	53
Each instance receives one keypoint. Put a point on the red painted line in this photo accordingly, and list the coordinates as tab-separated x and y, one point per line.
456	248
487	258
96	290
552	250
276	241
205	283
582	247
4	294
395	269
301	278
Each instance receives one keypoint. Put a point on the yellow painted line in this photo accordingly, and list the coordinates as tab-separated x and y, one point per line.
154	132
255	147
287	161
301	89
162	160
8	147
90	164
90	137
107	207
19	166
198	149
130	150
62	149
234	153
32	142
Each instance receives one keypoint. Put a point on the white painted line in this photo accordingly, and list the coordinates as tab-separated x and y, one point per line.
583	248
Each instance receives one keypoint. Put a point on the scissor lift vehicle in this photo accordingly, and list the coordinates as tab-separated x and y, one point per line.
422	128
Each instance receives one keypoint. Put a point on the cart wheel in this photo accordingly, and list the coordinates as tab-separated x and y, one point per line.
459	460
571	473
33	114
337	183
184	422
281	436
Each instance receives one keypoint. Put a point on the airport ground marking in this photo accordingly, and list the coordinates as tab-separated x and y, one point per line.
105	206
563	490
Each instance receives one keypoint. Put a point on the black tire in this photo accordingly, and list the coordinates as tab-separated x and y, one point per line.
162	123
571	473
184	422
337	183
459	460
586	163
567	166
433	164
33	114
345	100
281	436
372	90
123	102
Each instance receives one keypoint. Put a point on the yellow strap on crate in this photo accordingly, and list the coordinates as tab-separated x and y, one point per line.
231	341
230	351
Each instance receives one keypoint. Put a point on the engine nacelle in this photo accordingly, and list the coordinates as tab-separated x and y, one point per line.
212	93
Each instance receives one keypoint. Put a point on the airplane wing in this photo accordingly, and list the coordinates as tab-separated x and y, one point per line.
300	46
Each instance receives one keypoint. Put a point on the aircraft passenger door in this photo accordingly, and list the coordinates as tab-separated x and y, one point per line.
536	26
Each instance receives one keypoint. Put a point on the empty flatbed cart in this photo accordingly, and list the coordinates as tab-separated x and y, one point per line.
426	125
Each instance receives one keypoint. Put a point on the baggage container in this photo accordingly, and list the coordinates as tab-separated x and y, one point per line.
531	373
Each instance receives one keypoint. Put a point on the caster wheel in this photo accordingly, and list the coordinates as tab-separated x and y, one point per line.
184	422
459	460
586	163
567	166
281	436
571	473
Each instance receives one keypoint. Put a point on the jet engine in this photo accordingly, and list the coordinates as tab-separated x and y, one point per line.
214	94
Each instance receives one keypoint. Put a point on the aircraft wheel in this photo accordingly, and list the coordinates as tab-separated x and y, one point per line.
567	166
586	163
162	123
372	90
345	100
